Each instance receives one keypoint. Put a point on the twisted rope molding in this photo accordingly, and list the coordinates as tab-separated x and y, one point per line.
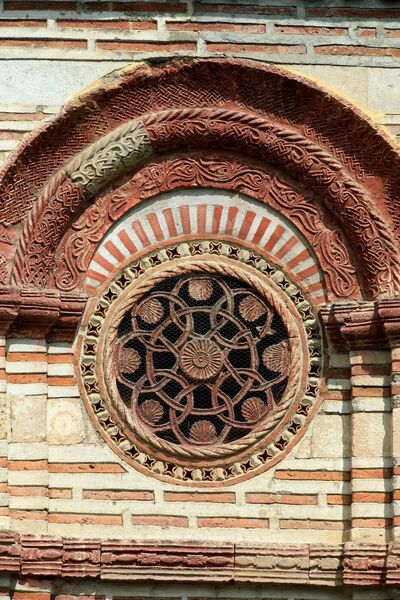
89	172
92	169
146	283
101	314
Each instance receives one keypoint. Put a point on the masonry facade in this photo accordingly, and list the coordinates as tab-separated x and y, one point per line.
199	313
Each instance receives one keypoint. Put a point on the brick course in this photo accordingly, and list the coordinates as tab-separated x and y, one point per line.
76	485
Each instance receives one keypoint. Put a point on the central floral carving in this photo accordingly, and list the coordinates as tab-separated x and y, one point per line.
200	361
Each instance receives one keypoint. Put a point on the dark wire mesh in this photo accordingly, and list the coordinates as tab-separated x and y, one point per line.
201	360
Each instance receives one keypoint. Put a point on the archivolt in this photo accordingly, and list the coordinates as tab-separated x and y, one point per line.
217	104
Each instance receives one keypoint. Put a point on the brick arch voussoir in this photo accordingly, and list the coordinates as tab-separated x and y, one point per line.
126	147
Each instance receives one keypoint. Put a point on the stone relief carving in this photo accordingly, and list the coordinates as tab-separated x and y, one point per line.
230	172
214	127
201	361
176	420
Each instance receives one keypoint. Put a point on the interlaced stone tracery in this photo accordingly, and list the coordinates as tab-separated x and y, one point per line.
201	361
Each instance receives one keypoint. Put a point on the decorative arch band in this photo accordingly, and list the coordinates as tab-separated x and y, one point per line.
204	211
109	132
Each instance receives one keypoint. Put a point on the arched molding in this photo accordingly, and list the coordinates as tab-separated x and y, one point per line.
202	212
226	171
259	111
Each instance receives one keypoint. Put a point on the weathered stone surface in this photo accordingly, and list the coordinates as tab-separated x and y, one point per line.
383	90
28	418
352	83
331	436
166	561
81	558
319	188
272	564
371	434
64	421
41	555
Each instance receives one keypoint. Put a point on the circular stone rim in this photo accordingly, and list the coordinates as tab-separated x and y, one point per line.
217	454
269	452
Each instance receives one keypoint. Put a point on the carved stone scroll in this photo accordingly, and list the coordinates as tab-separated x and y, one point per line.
350	564
222	171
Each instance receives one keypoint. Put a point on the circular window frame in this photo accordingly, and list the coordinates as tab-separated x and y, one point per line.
206	467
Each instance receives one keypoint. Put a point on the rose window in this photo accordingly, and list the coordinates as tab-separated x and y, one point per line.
200	360
200	363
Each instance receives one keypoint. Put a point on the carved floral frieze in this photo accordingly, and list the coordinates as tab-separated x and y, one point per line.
347	564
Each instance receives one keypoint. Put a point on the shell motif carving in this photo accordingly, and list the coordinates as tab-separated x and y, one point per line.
199	363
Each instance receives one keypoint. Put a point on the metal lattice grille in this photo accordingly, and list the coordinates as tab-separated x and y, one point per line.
201	360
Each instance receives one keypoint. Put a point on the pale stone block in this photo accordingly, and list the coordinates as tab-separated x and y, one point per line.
372	462
64	421
29	526
29	502
371	434
371	510
372	485
384	90
28	418
338	407
371	380
339	360
29	451
92	435
362	404
4	499
364	535
4	523
309	486
61	369
63	391
339	384
4	416
317	464
26	389
396	431
8	145
60	348
370	357
28	478
349	82
303	448
26	367
26	345
87	480
22	79
331	436
83	453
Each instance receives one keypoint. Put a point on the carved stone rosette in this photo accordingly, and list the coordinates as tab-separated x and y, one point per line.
200	363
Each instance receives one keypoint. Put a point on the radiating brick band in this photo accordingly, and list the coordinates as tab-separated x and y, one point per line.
207	212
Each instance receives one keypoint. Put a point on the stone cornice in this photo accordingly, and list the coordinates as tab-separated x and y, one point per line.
37	313
125	560
362	325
